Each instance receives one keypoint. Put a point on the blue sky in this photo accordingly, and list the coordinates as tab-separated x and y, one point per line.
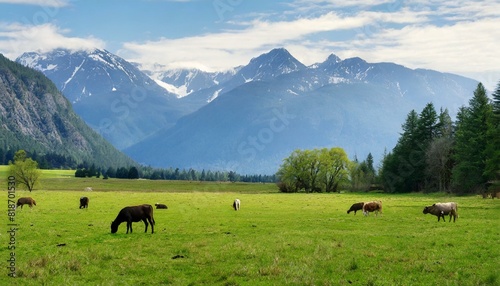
460	36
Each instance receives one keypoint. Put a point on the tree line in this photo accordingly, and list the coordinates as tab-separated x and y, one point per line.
50	160
144	172
436	154
433	154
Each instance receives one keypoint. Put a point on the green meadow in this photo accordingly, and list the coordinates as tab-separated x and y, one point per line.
275	239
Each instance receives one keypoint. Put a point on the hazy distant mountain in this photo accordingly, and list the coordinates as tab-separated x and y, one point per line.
275	105
36	117
110	94
250	118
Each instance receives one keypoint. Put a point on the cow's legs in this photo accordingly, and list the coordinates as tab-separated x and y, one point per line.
152	225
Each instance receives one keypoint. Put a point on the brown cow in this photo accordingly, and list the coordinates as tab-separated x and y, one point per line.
356	207
84	202
26	201
134	214
375	206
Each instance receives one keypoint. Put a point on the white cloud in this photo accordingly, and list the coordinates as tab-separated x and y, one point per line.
18	38
453	37
461	47
235	47
460	36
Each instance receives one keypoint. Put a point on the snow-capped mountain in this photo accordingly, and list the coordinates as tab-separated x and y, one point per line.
81	74
275	105
183	82
249	119
114	97
269	66
265	67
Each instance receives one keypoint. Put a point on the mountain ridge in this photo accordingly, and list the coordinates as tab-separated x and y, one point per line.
348	103
36	117
112	95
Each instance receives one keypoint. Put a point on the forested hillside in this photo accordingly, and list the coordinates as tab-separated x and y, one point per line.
36	117
436	154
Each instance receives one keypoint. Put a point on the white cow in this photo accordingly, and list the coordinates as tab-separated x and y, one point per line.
236	204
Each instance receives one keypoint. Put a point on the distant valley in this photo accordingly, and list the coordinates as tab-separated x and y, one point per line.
250	118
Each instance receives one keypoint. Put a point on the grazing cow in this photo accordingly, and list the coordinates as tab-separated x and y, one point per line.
356	207
495	194
236	204
486	195
84	202
375	206
26	201
134	214
161	206
442	209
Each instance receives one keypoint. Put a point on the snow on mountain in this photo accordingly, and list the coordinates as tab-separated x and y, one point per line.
275	105
189	118
184	82
112	95
100	70
270	65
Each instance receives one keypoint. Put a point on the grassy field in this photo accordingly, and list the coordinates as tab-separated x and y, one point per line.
275	239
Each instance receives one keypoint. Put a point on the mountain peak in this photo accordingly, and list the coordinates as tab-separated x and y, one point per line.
277	55
270	65
330	63
333	58
89	76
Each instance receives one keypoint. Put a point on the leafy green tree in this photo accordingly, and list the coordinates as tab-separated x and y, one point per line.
314	171
25	170
471	142
295	172
333	169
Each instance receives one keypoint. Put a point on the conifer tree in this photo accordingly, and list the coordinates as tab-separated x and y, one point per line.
438	156
398	168
471	143
493	145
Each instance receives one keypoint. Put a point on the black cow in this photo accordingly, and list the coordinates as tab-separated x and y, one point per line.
134	214
84	202
161	206
356	207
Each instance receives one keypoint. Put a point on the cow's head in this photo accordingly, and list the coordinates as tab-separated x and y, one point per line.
114	227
